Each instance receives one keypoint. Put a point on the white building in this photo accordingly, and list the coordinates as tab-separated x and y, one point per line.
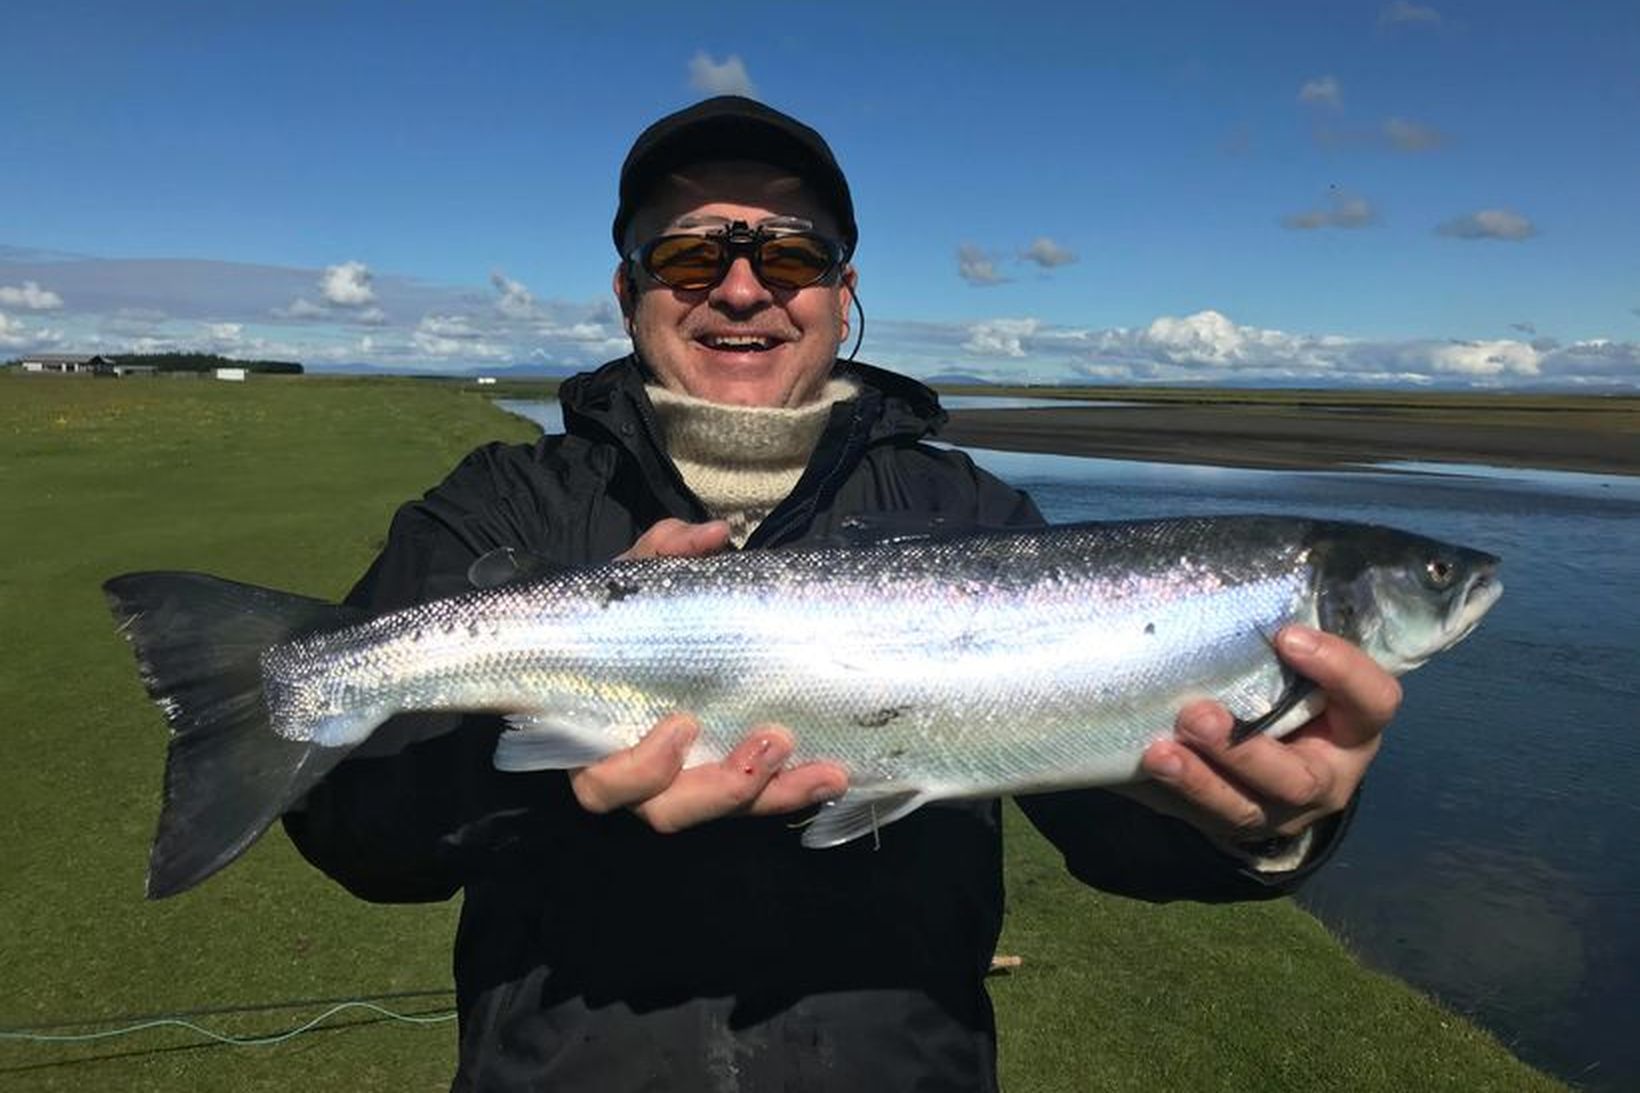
63	363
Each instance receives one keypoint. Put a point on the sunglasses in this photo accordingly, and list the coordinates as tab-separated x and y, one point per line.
786	260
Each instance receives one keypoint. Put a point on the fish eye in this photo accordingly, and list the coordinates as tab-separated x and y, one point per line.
1440	572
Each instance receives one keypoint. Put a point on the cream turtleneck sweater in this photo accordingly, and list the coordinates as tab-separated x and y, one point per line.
742	461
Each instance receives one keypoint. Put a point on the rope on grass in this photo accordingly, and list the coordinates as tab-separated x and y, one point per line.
238	1041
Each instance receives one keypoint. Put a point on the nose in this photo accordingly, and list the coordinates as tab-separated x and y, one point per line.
740	289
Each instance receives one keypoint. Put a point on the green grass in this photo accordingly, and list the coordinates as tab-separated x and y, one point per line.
290	483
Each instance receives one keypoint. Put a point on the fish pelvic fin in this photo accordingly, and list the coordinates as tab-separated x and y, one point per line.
552	741
860	812
198	641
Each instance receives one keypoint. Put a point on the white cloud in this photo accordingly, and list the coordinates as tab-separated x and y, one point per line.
1410	136
712	78
1492	358
31	297
301	308
1323	91
15	334
1403	12
442	347
447	326
370	316
1345	211
516	301
1000	337
1207	346
347	285
1488	224
1047	254
976	266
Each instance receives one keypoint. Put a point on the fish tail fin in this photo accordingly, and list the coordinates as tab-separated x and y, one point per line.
228	775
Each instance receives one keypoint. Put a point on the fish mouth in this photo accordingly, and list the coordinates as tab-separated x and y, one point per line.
1480	592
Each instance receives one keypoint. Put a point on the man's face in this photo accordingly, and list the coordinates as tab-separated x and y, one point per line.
739	342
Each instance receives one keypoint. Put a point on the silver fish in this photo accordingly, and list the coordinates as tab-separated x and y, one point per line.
930	667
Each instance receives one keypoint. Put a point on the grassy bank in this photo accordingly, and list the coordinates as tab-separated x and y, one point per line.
291	483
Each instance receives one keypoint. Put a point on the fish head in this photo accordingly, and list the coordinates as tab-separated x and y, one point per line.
1401	597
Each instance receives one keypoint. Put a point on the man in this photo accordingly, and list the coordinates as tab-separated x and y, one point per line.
634	925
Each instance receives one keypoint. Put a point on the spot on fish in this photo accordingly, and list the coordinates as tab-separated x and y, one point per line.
616	590
876	719
1150	628
472	629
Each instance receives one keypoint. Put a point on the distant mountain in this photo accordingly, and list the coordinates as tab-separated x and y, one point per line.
957	379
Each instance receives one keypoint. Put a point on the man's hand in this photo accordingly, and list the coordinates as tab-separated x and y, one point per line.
1264	788
649	778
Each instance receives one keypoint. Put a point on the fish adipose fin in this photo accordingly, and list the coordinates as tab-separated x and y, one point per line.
228	775
552	741
860	812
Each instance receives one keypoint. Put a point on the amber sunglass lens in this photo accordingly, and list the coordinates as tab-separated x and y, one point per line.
686	261
793	261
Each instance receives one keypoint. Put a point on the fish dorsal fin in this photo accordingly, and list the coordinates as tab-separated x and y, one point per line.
860	812
503	565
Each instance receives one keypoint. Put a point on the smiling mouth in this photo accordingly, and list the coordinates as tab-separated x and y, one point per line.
740	343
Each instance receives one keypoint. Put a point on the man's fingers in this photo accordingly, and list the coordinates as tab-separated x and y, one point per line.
674	538
1285	779
749	780
1207	799
639	772
1361	696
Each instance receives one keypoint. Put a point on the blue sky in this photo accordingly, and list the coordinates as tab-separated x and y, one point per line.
1364	193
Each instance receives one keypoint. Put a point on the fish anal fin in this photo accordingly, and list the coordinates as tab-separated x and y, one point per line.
860	812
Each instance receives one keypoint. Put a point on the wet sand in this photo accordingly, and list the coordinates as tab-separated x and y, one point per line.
1312	437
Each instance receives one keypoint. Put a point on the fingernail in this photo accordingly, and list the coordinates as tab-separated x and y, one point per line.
1199	724
821	794
771	752
683	734
1167	766
1298	640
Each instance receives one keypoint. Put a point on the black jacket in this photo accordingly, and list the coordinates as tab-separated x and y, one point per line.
594	954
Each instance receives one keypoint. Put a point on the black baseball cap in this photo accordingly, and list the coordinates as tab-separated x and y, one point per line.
734	127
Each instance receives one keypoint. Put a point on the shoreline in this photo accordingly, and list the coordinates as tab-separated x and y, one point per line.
1305	438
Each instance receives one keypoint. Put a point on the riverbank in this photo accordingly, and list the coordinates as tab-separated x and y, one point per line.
1590	437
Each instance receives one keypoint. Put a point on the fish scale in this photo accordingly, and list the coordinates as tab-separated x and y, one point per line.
929	667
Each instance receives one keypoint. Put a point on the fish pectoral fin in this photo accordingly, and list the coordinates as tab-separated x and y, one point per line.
860	812
1297	704
546	741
